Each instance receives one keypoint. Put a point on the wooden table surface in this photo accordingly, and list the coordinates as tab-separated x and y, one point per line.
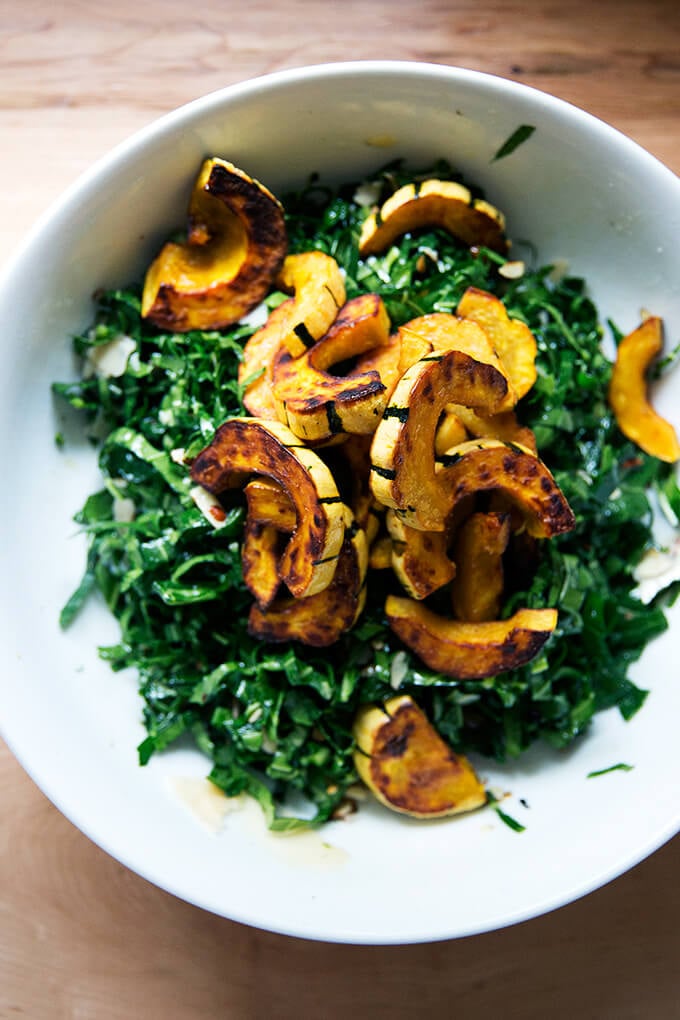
82	937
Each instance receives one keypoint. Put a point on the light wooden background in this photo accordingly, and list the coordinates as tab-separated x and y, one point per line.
82	937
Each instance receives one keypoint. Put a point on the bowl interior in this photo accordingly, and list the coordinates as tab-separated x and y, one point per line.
578	192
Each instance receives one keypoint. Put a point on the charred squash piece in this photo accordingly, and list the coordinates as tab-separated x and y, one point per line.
409	768
319	293
271	514
385	360
403	471
236	243
413	345
512	339
243	447
355	454
380	553
255	369
477	589
628	393
319	620
438	332
419	558
502	426
268	503
481	465
434	203
469	651
451	430
314	403
260	551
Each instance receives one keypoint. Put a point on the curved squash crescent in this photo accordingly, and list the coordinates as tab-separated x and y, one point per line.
408	767
319	293
484	464
477	588
319	620
514	341
434	203
419	558
243	447
466	650
403	470
628	395
235	245
316	404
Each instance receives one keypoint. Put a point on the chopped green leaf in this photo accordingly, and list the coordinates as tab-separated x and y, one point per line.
507	819
518	136
620	767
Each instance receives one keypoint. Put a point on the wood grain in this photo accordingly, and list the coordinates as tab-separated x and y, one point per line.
84	937
77	78
81	936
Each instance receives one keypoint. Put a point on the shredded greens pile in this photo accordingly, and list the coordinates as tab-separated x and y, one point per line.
275	720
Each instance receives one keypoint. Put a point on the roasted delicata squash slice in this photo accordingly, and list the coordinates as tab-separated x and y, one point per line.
407	765
255	369
243	447
314	403
413	344
451	430
504	426
353	463
511	338
260	552
434	203
403	471
269	503
419	558
380	553
469	650
438	332
385	360
319	620
270	516
629	396
235	245
477	589
319	293
481	465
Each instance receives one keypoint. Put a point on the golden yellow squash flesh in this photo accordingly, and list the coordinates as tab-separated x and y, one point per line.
467	650
419	558
408	767
271	514
481	465
628	393
438	332
404	473
255	370
317	404
236	242
243	447
317	284
502	426
434	203
511	338
319	620
318	290
477	588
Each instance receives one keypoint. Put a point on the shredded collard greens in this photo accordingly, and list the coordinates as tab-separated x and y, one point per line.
275	720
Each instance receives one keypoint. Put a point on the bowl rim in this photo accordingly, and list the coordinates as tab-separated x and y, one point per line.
168	121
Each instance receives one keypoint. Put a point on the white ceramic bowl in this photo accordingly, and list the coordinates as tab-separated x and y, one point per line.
582	193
